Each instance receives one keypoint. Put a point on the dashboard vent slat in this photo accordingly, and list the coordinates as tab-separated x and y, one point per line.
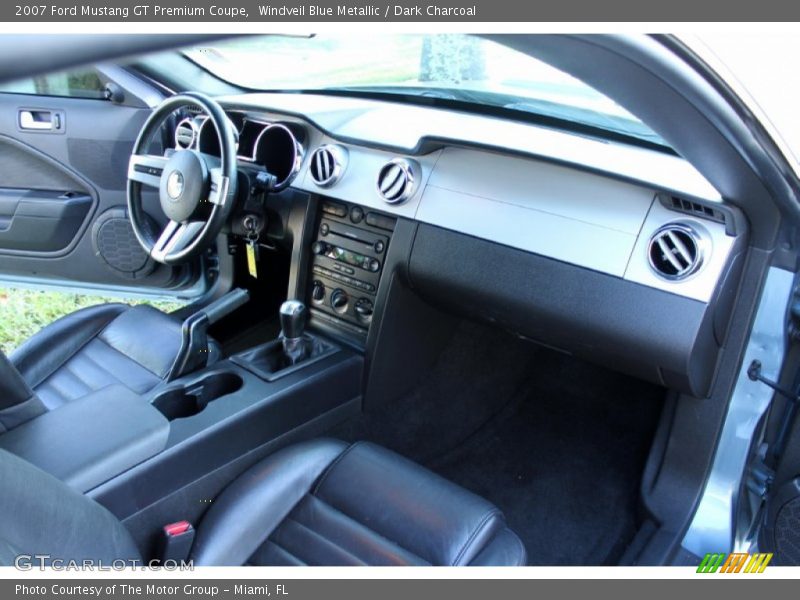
397	180
676	251
695	208
393	183
185	134
328	164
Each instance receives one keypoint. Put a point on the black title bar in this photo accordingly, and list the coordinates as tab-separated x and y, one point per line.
233	11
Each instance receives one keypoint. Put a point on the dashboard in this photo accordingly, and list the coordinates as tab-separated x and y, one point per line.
610	221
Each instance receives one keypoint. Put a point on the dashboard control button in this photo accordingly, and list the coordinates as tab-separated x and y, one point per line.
373	265
332	208
356	214
319	247
339	300
318	292
379	247
380	221
344	269
324	229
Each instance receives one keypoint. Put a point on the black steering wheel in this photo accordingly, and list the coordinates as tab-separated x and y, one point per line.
197	191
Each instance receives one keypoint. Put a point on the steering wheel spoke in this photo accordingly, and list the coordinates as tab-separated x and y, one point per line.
175	237
219	186
146	169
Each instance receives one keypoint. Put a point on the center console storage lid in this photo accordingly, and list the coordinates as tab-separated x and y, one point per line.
89	441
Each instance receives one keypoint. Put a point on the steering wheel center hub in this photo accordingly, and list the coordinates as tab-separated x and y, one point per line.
184	183
175	185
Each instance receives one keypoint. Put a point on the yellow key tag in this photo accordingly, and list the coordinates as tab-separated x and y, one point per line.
251	260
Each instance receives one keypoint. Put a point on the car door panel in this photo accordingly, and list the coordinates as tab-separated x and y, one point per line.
41	221
63	215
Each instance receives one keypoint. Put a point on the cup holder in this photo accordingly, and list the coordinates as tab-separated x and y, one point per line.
182	402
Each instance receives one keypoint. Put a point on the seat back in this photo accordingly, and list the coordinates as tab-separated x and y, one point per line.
40	515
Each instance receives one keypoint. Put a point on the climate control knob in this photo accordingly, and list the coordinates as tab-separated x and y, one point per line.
339	300
364	309
318	291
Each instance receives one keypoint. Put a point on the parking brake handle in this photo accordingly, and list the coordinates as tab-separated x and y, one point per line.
194	351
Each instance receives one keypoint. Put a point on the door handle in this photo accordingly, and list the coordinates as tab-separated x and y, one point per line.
39	120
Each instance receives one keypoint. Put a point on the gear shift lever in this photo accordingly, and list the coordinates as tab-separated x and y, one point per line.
293	314
295	349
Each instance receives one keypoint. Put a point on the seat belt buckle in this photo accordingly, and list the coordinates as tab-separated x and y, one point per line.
176	541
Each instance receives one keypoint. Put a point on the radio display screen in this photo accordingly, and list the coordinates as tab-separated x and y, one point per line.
347	256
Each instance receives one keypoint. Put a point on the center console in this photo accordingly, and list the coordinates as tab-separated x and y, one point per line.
141	456
348	252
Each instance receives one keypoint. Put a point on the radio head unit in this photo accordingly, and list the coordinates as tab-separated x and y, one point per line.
347	260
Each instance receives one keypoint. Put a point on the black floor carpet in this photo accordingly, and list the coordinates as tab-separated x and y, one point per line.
475	377
557	443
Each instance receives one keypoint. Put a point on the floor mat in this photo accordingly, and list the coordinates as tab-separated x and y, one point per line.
557	443
479	372
564	460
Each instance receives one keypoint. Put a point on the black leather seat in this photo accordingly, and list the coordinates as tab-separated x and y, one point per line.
99	346
317	503
327	503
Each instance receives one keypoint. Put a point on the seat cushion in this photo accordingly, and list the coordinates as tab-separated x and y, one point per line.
328	503
92	348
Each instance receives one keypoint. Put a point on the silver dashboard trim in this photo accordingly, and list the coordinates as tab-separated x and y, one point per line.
339	157
701	284
546	206
699	238
408	168
297	149
401	128
572	216
357	183
190	123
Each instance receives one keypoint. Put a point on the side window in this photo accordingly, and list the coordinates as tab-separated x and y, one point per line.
75	84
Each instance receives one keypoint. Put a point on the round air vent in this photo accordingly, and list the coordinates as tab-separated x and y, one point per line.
185	134
676	251
328	164
397	180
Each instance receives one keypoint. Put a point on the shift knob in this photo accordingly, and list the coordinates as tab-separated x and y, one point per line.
293	319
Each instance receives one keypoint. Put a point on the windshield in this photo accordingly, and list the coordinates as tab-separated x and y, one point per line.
453	67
